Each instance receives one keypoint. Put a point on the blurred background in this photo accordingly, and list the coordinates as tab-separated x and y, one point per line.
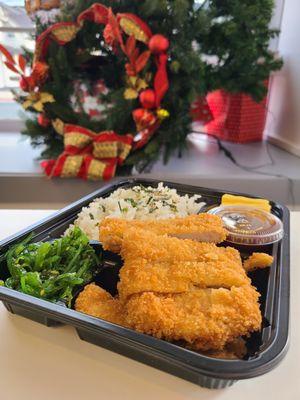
244	146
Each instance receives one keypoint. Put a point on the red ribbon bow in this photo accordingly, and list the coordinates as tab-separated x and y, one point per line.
89	155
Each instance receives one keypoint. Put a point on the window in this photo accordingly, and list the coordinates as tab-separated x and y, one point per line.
15	33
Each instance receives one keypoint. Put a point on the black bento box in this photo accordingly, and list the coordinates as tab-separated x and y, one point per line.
265	349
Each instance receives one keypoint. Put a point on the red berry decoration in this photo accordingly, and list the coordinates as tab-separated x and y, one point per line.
158	44
43	120
23	84
147	98
143	118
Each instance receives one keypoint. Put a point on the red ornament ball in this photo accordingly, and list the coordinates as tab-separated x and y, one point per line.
147	98
24	84
138	114
158	44
143	118
43	120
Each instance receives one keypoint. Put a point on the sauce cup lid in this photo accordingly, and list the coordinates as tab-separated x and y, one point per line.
248	225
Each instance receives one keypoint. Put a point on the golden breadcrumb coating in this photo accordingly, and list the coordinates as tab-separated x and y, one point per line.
258	260
95	301
207	318
179	289
138	243
156	263
201	227
164	277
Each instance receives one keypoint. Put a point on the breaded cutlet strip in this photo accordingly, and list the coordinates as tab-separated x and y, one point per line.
258	261
138	243
141	275
169	265
201	227
206	318
95	301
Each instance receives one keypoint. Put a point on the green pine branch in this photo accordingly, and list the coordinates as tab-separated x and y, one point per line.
219	44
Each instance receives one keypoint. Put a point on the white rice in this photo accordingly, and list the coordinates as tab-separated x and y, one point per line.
139	202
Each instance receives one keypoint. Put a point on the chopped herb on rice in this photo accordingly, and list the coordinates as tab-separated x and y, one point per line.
139	202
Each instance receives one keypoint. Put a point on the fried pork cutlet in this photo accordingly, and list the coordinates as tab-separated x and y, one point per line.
201	227
95	301
170	265
206	318
258	261
139	243
162	277
179	290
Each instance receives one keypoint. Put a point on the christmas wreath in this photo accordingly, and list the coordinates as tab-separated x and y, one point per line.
88	153
84	81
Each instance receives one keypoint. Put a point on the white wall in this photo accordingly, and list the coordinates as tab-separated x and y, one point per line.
283	126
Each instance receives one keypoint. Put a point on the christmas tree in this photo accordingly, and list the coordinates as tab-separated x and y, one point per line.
237	41
213	44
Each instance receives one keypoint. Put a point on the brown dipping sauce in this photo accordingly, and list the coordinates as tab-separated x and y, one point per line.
249	227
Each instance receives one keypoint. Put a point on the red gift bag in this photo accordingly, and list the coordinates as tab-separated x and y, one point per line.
233	117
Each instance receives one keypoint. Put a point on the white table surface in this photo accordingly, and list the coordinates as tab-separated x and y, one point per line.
40	363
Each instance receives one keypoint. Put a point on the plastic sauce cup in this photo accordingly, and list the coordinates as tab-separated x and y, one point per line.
249	226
